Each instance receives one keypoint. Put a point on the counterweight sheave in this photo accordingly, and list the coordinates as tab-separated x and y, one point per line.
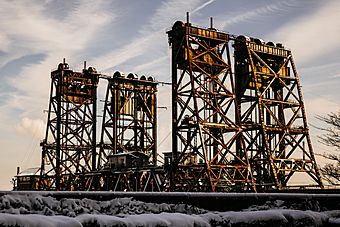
205	133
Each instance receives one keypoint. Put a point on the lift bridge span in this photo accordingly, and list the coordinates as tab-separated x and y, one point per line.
238	123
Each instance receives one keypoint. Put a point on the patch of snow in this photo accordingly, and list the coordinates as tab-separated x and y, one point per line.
334	221
35	220
151	220
305	218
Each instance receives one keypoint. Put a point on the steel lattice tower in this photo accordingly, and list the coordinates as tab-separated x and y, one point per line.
69	147
129	120
129	134
205	134
272	114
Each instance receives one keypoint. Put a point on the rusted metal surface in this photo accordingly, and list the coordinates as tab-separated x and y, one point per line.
205	133
69	147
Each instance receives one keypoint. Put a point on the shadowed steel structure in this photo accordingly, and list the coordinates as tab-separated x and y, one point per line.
272	114
128	147
69	147
205	132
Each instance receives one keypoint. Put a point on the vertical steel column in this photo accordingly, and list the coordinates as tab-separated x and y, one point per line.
94	80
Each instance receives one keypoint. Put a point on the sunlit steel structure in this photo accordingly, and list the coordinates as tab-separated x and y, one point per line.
128	144
208	144
69	148
272	115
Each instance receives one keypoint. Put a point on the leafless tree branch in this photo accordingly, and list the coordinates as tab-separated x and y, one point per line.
331	138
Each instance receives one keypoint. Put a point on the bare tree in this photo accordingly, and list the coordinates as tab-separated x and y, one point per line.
331	138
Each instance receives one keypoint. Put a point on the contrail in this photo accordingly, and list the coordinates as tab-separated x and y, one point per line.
271	8
202	6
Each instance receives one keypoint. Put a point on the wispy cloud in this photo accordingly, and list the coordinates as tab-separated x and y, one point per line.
321	105
35	32
29	28
32	127
5	42
152	65
151	37
238	17
32	29
307	35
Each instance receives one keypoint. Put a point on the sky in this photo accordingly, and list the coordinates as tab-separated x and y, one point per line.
130	36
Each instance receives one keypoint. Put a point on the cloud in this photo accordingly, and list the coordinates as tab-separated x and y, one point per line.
239	17
5	42
154	66
32	30
319	106
33	127
28	29
151	37
164	116
173	10
312	36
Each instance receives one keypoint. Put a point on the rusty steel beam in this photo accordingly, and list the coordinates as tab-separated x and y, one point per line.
150	179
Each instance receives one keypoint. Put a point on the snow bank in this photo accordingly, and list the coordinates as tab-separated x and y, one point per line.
37	204
38	210
270	218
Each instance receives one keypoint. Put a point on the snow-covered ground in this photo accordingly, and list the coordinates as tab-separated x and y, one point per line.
34	209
